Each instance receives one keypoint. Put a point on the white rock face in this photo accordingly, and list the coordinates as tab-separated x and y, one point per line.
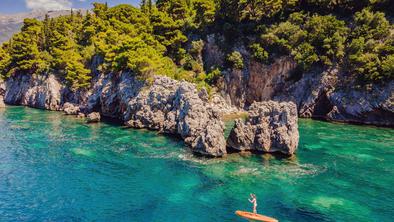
270	127
38	91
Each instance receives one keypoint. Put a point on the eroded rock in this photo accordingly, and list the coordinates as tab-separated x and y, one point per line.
179	108
112	92
270	127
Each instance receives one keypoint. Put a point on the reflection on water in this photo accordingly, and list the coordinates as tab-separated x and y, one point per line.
57	168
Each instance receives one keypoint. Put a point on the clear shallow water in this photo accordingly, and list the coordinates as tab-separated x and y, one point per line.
56	168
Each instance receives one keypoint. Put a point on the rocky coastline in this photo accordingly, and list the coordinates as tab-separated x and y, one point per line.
166	105
180	108
274	96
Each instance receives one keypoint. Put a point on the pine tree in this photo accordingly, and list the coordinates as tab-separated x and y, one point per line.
5	60
150	5
143	6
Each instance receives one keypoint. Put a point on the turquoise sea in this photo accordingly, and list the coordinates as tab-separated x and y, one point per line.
57	168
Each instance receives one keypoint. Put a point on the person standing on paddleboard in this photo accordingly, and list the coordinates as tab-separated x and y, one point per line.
253	200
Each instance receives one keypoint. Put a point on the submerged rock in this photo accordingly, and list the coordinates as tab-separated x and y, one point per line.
93	117
270	127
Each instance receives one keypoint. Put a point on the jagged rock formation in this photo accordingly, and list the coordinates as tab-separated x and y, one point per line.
179	108
111	94
270	127
311	92
167	105
257	82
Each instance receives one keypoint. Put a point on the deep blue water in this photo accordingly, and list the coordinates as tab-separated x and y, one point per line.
57	168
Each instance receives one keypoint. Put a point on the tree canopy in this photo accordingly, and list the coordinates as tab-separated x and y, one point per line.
165	37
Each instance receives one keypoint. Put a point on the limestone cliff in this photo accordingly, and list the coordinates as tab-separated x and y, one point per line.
327	94
323	93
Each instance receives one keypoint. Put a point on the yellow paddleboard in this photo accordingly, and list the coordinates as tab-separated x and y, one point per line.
256	217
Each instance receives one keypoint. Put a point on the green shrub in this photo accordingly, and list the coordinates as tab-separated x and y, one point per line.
5	60
310	39
370	52
235	60
213	76
259	53
388	67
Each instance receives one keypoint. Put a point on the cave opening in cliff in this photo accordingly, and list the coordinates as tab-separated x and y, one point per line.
323	106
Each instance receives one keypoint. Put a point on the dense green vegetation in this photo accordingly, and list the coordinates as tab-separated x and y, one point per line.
166	38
